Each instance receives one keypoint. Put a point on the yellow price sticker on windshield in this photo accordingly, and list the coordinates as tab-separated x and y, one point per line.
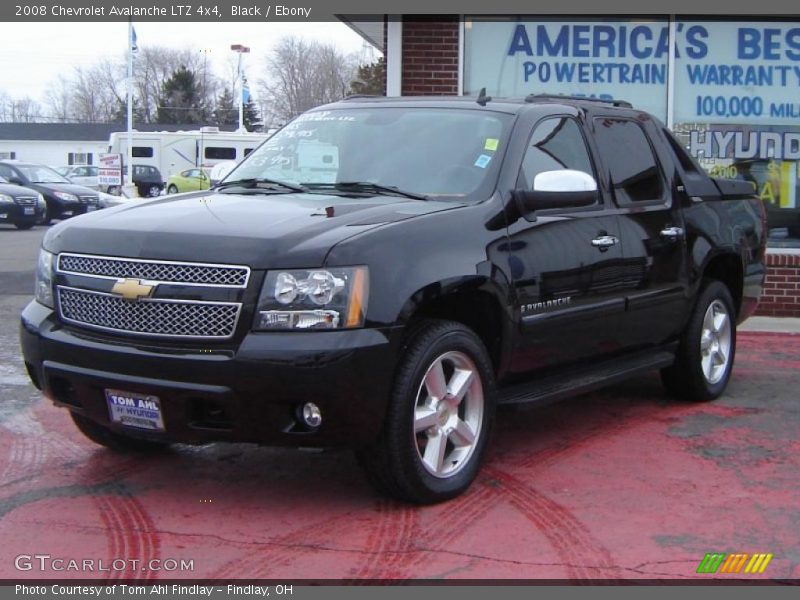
491	144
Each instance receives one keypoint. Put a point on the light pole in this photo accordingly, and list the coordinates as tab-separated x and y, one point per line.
127	187
239	49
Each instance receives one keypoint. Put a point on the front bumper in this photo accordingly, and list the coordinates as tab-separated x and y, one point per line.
16	213
248	394
62	209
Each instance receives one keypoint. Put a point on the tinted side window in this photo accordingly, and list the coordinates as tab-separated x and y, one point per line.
7	172
627	154
555	144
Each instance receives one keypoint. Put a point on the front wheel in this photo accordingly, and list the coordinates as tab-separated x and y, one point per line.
439	418
172	190
707	349
47	218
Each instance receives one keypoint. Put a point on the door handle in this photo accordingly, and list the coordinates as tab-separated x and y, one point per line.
672	233
604	242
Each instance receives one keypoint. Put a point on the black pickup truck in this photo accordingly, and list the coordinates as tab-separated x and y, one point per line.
383	272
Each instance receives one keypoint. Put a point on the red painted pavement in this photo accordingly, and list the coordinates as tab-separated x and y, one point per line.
624	483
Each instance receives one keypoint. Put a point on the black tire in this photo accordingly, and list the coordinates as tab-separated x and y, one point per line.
47	218
686	379
394	463
113	440
172	190
153	191
24	226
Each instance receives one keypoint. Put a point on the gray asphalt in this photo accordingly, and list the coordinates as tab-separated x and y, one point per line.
18	252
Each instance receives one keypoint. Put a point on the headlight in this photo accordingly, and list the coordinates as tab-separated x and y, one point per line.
6	199
44	279
66	197
313	299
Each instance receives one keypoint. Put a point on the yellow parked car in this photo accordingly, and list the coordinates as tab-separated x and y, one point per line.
188	181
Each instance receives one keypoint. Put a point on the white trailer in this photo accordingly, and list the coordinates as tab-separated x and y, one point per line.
174	151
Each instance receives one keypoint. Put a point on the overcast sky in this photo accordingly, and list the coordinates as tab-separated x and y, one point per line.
33	54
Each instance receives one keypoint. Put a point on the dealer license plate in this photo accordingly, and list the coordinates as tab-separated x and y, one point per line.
28	210
141	411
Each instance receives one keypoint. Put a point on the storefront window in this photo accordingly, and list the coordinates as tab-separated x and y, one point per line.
735	100
596	58
737	109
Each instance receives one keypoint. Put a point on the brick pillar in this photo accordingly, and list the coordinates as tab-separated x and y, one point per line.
430	55
781	295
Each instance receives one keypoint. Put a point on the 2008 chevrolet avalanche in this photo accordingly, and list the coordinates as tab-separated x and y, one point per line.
381	273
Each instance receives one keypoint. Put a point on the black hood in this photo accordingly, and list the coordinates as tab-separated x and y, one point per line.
259	230
70	188
9	189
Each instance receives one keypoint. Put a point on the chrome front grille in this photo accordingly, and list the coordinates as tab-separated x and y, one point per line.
152	317
88	199
161	271
25	200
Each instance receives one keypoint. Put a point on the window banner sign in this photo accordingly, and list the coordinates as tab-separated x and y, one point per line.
626	60
734	72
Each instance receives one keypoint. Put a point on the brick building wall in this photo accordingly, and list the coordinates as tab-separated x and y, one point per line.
781	296
430	55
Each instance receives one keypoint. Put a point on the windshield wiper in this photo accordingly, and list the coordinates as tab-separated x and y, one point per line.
365	186
251	182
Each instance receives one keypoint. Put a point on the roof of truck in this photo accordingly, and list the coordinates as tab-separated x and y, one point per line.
511	105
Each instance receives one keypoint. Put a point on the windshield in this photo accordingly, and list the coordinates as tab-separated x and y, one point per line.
439	153
41	174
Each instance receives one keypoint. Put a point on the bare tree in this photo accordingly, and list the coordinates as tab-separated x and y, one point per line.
156	64
5	105
21	110
58	99
301	75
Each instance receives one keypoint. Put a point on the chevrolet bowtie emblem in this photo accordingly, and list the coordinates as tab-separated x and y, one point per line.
132	289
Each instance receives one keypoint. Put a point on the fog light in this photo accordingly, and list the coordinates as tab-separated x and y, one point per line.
311	414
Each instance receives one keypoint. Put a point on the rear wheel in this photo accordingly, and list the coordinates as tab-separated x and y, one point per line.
172	190
111	439
153	191
707	349
439	419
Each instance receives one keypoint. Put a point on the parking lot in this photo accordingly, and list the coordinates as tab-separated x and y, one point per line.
623	483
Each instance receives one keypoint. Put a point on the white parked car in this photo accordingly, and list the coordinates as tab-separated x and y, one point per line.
85	175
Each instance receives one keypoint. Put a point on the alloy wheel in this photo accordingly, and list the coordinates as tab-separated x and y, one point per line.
448	414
